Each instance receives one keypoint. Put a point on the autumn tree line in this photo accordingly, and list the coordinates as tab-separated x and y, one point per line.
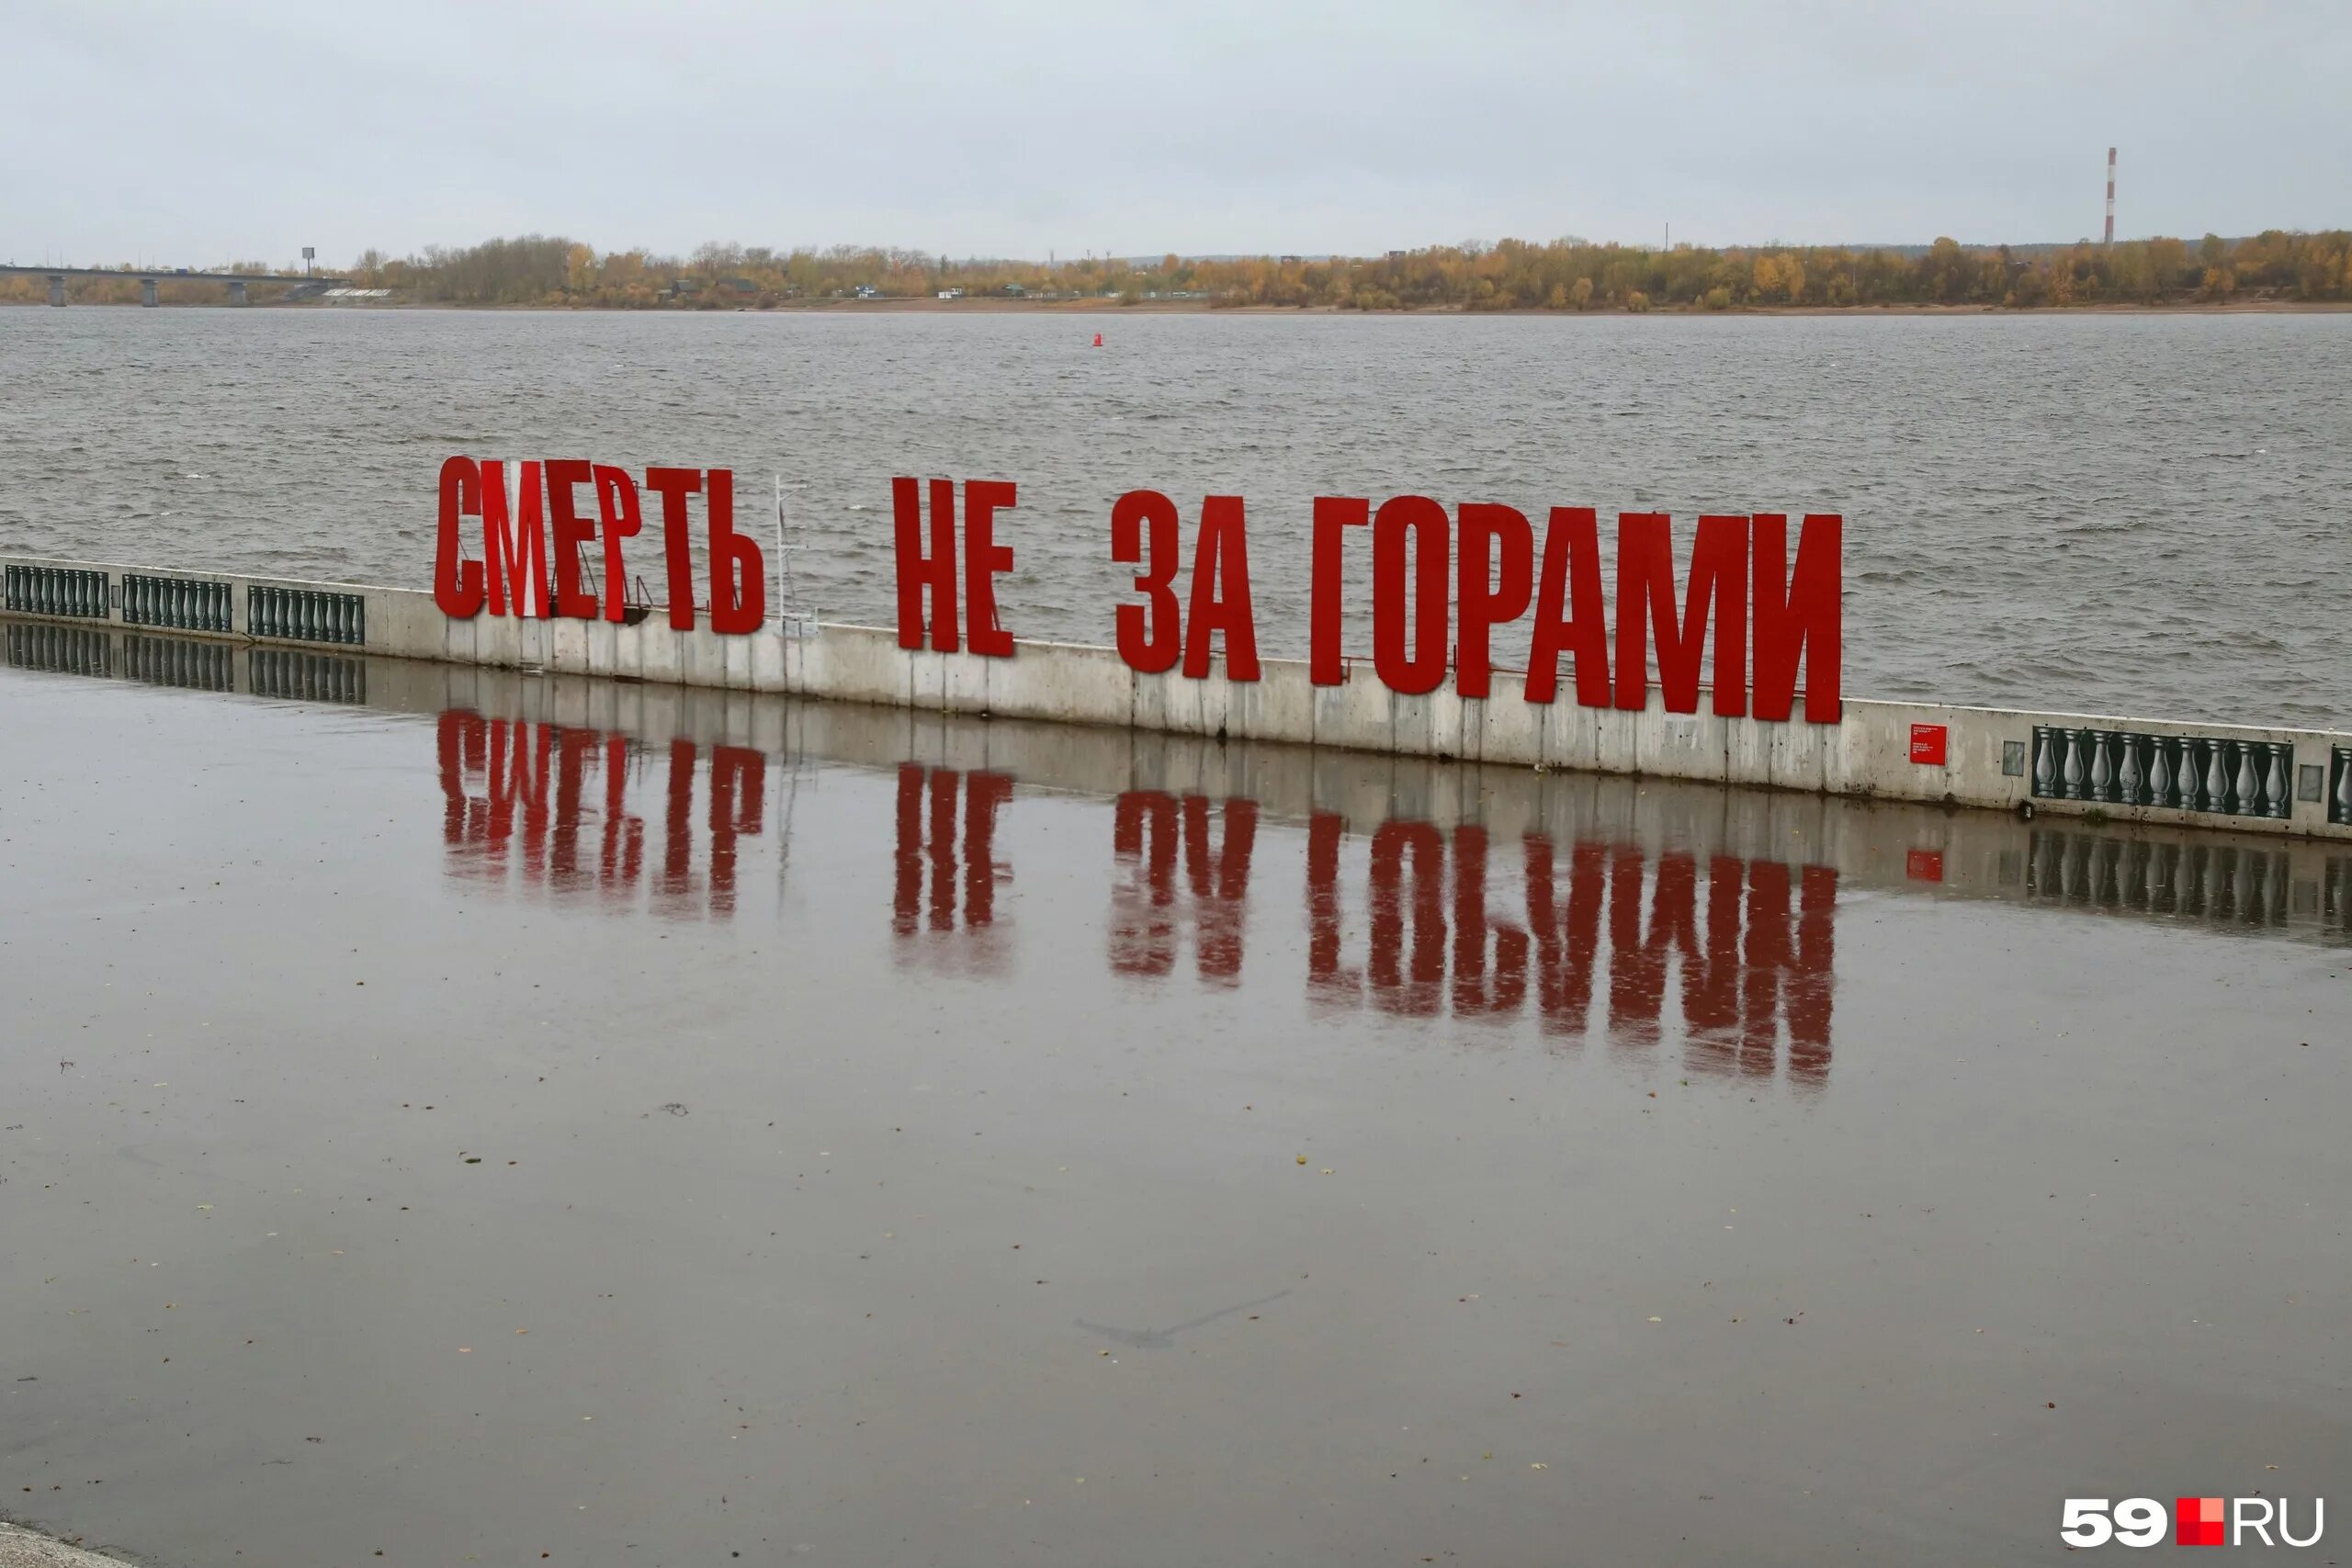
1512	274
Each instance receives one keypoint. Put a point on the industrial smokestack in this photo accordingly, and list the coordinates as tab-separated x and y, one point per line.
2110	197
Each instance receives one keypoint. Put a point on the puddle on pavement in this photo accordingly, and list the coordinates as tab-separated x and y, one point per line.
468	1117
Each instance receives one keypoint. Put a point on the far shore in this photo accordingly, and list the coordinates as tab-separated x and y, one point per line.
997	305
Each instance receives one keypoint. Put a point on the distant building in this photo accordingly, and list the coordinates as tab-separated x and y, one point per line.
951	294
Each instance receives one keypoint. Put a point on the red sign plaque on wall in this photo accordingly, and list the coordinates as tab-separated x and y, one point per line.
1927	744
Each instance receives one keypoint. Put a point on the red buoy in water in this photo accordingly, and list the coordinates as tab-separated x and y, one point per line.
1098	340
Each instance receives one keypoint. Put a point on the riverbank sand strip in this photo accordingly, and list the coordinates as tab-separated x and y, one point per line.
22	1548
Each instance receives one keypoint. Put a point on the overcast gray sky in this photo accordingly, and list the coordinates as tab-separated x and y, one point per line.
201	132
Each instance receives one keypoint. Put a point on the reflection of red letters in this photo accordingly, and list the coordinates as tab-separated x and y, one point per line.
1791	973
1567	939
462	741
1475	991
573	750
1407	883
738	781
1636	967
620	855
1710	972
1147	825
1739	977
537	789
924	850
1143	841
677	884
1327	978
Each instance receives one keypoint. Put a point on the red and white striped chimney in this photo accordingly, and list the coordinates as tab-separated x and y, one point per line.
2111	196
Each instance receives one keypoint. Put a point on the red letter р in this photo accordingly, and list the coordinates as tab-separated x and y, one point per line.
1143	533
1489	598
1567	611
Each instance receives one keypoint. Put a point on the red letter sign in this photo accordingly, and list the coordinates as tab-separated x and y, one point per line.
1425	523
674	485
739	576
617	514
1152	635
1645	598
515	540
1332	513
1800	616
1568	616
1486	601
984	562
565	476
1221	593
918	572
456	583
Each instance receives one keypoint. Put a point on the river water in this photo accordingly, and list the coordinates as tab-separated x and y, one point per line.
2138	514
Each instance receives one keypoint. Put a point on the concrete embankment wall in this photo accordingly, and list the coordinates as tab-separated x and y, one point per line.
2250	779
2254	884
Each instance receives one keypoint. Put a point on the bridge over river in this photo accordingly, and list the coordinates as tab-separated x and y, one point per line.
303	283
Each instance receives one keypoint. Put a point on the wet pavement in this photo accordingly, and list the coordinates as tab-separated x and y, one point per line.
465	1118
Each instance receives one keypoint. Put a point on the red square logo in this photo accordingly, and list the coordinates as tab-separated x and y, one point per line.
1927	744
2197	1522
1923	865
